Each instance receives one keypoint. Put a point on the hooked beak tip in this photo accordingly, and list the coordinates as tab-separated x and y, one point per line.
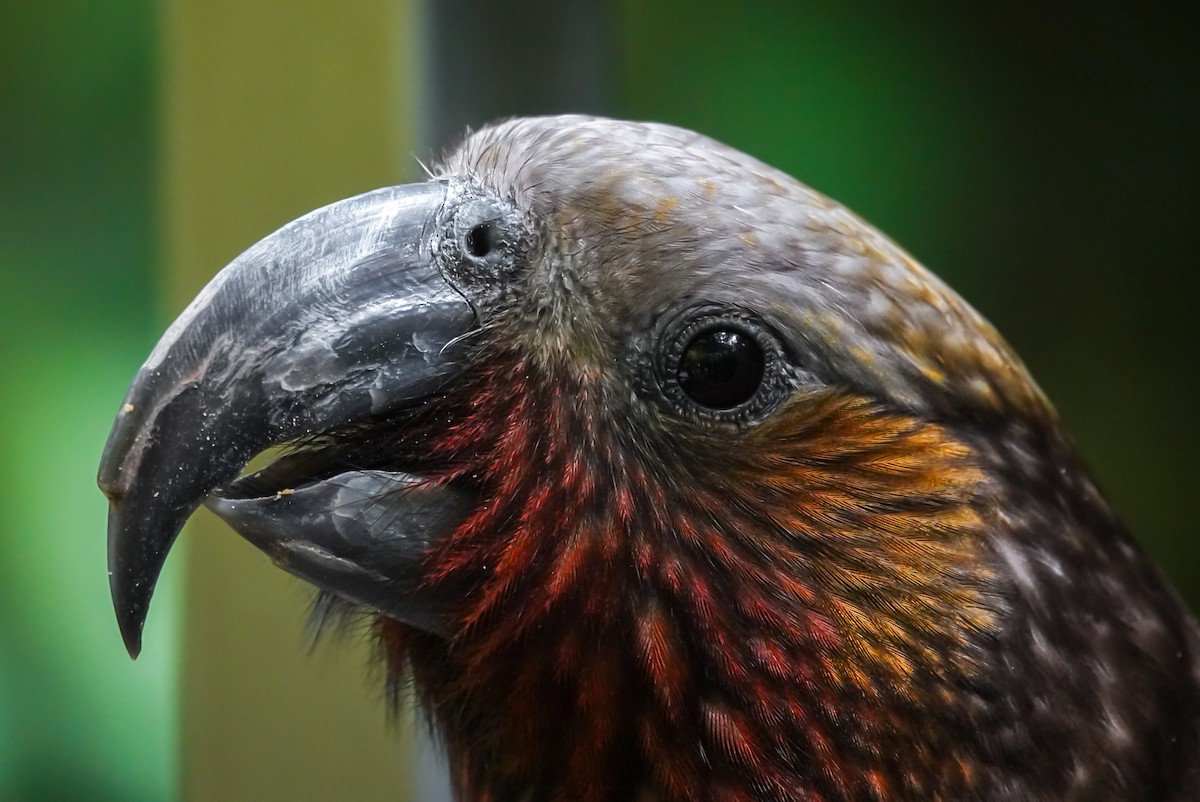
306	331
127	583
133	642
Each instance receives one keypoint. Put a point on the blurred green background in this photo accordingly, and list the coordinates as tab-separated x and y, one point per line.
77	310
1043	162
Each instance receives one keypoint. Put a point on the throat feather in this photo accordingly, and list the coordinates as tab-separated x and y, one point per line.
656	613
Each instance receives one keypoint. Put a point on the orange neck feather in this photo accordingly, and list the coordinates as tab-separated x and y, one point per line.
769	612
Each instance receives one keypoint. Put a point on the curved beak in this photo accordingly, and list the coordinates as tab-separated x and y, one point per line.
359	534
339	315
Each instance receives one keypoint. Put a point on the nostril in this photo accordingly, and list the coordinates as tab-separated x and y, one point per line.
481	240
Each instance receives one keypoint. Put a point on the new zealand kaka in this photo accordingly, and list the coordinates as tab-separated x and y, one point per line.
664	477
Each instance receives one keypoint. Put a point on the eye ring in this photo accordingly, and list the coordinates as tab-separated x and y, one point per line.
721	365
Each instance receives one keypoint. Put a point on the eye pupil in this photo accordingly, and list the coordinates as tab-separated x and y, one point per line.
480	240
721	368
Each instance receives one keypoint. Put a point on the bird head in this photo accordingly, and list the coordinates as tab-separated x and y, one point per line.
662	475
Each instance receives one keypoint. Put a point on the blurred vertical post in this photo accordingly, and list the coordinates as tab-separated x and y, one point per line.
270	110
488	61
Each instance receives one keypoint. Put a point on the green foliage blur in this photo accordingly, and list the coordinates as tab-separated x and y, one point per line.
78	720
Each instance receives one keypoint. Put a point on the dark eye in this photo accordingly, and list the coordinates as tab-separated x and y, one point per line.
721	368
720	364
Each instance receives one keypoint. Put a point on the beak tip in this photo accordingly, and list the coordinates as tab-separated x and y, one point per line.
131	616
132	574
215	391
133	642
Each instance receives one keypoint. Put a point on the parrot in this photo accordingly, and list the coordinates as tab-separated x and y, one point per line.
660	476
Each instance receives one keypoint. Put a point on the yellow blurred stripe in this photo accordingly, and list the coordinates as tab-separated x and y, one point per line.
270	110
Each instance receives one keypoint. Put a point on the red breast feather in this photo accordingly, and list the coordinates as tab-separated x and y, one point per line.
657	612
